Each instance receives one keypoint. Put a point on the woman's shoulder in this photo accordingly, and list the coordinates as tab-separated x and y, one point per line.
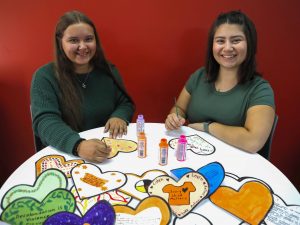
45	70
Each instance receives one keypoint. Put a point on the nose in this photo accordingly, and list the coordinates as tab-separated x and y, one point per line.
81	45
228	46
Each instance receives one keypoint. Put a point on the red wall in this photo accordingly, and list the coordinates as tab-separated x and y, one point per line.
156	44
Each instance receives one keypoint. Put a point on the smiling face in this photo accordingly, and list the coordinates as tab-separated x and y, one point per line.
229	46
79	45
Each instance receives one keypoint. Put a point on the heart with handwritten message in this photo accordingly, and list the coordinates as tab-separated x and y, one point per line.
119	145
152	210
90	181
100	214
196	144
137	186
29	211
58	162
251	202
182	195
114	197
40	188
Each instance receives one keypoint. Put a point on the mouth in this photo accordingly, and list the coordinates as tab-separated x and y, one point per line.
228	56
82	53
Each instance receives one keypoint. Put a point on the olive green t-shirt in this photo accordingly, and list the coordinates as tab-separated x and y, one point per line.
230	107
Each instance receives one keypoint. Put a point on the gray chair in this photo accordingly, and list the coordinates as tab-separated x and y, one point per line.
266	150
38	145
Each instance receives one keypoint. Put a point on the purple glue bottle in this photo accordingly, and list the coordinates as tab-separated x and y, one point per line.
140	124
181	148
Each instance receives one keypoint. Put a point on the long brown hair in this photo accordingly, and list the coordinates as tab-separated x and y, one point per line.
71	98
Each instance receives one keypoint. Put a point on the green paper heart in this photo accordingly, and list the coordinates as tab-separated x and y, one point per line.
39	190
29	211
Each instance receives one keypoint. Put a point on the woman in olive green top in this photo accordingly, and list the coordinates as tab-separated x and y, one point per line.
228	98
79	91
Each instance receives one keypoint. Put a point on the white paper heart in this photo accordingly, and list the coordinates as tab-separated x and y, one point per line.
90	181
182	195
134	180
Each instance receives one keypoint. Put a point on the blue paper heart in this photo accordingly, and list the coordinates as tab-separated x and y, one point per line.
102	213
213	172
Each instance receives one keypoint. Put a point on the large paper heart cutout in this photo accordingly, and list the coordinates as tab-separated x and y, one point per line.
152	210
101	213
114	197
119	145
213	172
90	181
196	144
182	195
39	189
58	162
29	211
251	202
137	186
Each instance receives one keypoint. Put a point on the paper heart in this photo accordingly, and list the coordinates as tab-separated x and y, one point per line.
100	214
29	211
90	181
182	195
250	203
39	189
213	172
58	162
119	145
196	144
194	218
137	186
282	213
113	197
152	210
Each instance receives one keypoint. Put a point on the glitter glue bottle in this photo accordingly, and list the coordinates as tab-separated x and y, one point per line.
142	145
140	124
181	148
163	152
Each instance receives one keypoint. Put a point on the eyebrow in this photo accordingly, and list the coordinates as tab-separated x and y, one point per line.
235	36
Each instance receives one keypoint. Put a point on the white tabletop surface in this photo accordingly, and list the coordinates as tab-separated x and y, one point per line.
239	167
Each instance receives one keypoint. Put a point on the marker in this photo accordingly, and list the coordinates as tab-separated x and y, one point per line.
142	145
181	148
176	108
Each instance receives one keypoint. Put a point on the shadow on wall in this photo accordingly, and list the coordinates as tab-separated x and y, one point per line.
15	130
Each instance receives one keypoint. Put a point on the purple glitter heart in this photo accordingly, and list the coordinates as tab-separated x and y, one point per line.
102	213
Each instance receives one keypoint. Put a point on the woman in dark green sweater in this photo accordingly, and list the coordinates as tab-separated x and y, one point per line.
80	90
228	98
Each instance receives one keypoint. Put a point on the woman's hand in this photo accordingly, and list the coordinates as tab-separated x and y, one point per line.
173	121
93	150
116	127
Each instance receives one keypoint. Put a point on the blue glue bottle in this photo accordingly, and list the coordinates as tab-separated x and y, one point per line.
181	148
140	124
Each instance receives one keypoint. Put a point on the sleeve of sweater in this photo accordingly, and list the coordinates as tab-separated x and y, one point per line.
46	114
124	108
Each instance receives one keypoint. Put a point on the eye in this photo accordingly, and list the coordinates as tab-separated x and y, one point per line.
236	40
73	40
89	39
219	41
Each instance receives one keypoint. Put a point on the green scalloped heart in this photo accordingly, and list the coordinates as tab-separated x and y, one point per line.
29	211
39	190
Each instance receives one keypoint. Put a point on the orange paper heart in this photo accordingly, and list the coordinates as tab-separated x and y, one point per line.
152	210
250	203
58	162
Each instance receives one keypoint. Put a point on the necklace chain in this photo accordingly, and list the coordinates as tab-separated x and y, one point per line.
84	83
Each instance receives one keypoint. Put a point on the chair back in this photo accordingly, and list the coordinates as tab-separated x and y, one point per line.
266	150
38	145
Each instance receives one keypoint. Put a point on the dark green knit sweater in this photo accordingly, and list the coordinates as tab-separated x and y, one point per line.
102	99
